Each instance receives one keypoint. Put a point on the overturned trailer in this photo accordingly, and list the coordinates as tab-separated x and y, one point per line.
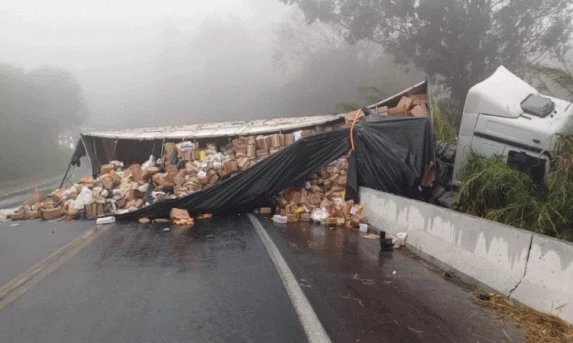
389	147
136	145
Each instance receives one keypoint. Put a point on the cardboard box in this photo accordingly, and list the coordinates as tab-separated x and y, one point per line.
419	99
95	209
262	153
136	172
251	151
405	103
263	142
243	163
214	179
265	210
87	180
419	111
106	168
230	167
32	214
305	217
276	141
382	110
54	213
330	221
397	111
107	183
195	154
292	217
180	217
288	139
18	216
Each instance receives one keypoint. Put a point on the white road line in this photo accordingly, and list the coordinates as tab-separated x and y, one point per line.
312	327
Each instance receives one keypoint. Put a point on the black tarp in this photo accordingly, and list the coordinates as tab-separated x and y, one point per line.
391	155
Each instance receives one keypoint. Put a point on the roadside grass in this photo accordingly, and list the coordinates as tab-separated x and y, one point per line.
443	129
538	327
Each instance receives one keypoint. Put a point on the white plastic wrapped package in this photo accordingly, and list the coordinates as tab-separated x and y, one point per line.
399	239
279	219
104	193
297	135
143	188
319	215
117	164
105	220
84	198
5	213
202	173
148	163
217	165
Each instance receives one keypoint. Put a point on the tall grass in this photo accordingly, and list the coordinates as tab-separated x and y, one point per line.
494	190
443	130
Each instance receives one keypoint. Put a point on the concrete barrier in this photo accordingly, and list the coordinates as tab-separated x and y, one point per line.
533	269
548	282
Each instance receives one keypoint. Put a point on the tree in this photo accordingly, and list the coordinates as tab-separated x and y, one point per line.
556	78
460	42
34	107
334	72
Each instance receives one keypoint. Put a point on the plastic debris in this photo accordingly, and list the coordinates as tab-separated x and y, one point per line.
280	219
105	220
399	239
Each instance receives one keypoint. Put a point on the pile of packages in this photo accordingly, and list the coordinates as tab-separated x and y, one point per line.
185	168
320	199
415	105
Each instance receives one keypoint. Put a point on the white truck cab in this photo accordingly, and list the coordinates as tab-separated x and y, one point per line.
503	115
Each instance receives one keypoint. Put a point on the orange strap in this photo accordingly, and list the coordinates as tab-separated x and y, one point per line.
352	128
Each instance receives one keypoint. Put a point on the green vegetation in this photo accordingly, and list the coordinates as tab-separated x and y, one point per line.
443	130
35	107
497	191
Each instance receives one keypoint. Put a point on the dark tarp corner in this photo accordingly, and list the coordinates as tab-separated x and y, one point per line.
78	153
390	155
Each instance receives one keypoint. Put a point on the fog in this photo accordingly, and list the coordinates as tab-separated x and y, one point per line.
143	63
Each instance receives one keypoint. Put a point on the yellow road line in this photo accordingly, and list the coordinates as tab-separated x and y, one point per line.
13	289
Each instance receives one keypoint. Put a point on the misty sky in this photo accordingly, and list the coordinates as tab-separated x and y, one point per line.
167	62
72	33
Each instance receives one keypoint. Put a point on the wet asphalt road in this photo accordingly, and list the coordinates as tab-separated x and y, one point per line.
141	284
138	283
29	242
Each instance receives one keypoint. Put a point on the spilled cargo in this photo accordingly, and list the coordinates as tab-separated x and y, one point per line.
301	169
